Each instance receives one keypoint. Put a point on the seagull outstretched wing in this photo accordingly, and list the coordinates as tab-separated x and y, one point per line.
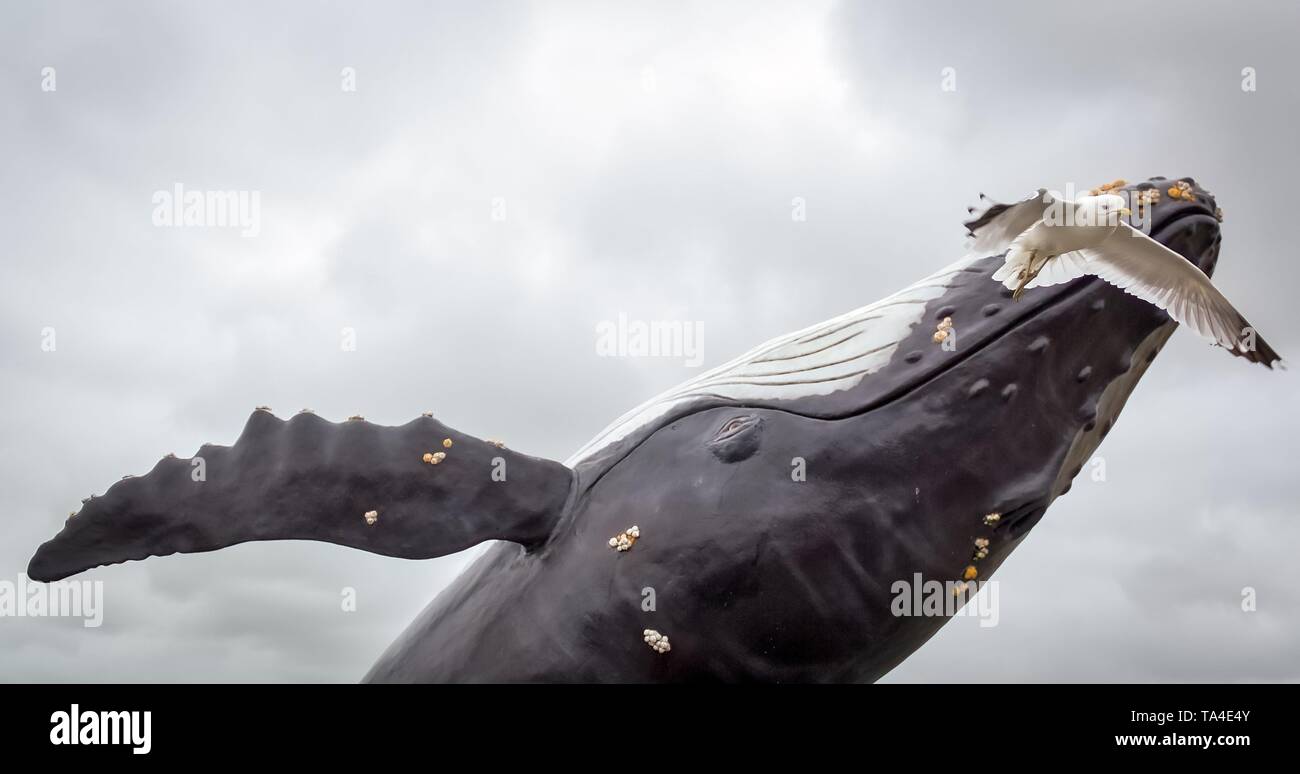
1141	266
993	230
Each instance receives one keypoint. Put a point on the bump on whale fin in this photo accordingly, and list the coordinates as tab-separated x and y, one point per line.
354	483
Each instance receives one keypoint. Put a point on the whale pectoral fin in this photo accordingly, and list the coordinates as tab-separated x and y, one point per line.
354	484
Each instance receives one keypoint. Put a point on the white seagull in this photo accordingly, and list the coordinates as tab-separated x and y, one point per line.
1050	240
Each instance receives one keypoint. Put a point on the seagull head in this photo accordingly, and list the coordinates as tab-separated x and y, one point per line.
1104	208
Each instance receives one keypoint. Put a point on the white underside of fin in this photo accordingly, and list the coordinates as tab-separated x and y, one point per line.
828	357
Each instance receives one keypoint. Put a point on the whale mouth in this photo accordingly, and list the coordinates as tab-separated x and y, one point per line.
1174	220
1168	223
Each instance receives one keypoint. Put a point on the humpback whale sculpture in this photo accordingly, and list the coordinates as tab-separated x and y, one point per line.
918	457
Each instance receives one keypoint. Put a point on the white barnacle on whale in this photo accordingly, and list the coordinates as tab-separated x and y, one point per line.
657	642
624	540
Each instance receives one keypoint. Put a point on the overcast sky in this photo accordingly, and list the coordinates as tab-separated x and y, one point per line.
647	155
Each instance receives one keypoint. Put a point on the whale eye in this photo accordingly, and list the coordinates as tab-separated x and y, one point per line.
733	426
737	438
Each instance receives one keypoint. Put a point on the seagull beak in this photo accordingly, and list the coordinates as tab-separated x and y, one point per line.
1125	211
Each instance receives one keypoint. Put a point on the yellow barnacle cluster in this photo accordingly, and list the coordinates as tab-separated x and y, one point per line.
1108	187
981	552
1182	190
943	330
1145	198
435	458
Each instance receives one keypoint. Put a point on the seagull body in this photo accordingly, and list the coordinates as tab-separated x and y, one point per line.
1058	243
1050	240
